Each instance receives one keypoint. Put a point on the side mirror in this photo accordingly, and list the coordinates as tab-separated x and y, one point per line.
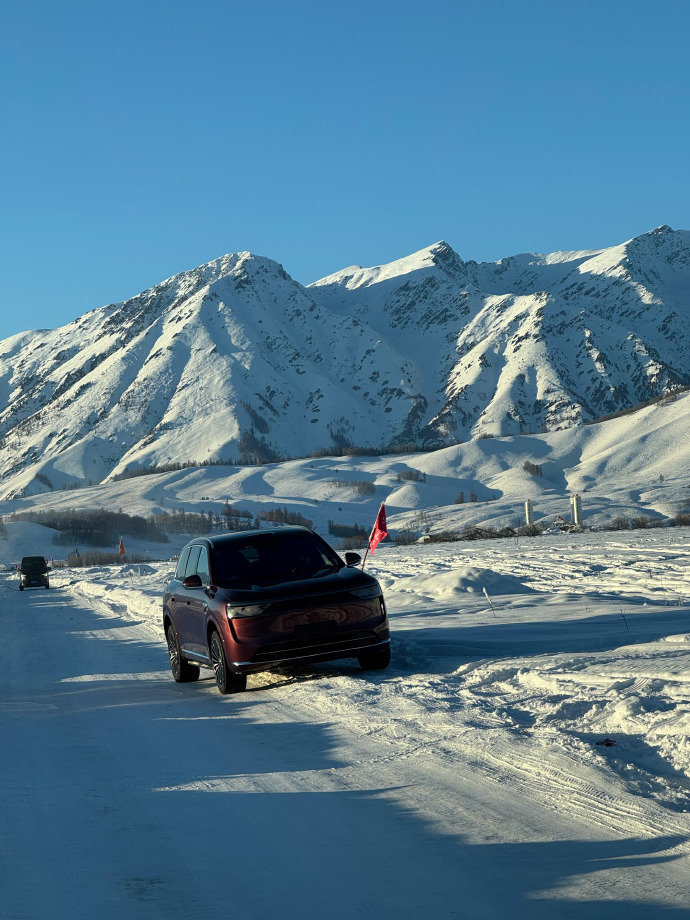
352	558
192	581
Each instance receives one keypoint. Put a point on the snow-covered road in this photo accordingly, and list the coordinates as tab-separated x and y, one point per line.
465	782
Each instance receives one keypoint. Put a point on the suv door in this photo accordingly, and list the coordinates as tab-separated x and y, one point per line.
198	606
184	600
177	600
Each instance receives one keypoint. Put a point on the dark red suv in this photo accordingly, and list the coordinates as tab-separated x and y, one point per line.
252	600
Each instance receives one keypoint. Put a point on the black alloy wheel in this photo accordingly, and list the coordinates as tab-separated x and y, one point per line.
181	669
227	681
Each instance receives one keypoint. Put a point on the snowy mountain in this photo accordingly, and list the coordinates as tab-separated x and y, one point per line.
531	342
235	360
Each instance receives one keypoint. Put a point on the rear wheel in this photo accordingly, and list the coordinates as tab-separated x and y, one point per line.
227	681
375	661
181	669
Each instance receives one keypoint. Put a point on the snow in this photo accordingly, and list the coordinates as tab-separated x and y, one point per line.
637	464
235	358
468	780
583	634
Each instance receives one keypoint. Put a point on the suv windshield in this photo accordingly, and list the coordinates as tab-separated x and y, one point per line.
33	564
272	558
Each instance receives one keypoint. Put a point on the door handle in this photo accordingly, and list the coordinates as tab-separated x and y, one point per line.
205	608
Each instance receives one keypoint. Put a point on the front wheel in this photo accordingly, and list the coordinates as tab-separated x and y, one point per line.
182	670
227	681
375	661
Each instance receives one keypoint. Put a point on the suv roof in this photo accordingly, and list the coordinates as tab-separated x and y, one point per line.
225	538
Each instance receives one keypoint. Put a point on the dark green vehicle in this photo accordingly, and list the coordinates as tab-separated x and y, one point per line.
33	573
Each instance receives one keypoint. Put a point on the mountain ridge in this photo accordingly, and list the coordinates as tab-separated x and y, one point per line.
235	360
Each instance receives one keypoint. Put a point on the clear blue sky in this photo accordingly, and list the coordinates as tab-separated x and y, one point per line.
141	139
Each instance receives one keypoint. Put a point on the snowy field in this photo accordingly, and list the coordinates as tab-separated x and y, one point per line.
635	465
469	780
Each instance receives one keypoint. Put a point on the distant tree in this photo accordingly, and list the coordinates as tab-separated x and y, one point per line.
95	527
412	475
534	469
283	516
619	523
361	486
460	500
473	496
347	530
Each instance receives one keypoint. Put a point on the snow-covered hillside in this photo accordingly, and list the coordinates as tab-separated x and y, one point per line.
236	360
636	464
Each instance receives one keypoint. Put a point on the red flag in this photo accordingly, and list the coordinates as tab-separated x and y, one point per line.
378	532
121	548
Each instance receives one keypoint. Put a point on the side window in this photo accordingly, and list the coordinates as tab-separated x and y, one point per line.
202	567
193	559
182	564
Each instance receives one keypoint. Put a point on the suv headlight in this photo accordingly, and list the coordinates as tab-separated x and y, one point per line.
368	593
236	611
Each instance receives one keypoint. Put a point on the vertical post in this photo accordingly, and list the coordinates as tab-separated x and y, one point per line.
576	508
529	513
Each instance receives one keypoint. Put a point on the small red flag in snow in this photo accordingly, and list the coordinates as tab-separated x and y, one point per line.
121	548
378	532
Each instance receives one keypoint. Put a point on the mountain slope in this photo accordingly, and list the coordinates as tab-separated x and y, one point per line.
530	342
235	360
631	465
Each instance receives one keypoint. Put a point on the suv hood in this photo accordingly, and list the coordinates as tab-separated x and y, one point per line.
346	579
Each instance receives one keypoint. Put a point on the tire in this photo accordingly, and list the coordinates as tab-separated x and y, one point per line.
182	670
375	661
227	681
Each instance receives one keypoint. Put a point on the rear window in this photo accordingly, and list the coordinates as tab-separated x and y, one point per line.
265	559
33	564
